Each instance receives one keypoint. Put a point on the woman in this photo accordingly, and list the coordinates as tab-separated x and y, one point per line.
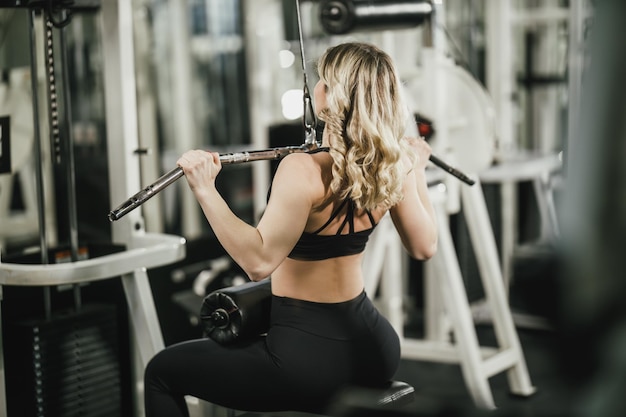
324	332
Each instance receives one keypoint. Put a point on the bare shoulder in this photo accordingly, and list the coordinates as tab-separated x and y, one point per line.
300	165
302	172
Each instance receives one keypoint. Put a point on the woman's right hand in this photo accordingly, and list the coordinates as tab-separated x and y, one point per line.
200	168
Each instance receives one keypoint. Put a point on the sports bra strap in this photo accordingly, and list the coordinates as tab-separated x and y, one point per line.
332	217
349	219
372	221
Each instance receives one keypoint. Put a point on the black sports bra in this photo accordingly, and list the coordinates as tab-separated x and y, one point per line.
315	247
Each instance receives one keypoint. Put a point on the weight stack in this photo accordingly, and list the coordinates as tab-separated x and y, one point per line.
68	365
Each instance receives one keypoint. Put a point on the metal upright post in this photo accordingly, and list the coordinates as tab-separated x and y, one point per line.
185	136
575	69
122	139
263	33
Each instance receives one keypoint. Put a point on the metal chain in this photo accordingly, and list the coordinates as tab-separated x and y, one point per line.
308	117
55	130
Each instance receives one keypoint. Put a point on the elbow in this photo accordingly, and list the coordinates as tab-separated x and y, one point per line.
254	266
429	246
257	276
259	271
424	255
424	252
429	252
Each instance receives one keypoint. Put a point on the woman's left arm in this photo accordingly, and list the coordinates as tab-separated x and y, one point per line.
414	217
257	250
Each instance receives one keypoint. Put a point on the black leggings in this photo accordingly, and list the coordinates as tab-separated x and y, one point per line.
311	350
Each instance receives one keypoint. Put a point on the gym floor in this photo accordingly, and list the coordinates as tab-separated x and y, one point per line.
440	389
558	354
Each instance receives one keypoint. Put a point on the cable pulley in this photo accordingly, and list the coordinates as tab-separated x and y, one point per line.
339	17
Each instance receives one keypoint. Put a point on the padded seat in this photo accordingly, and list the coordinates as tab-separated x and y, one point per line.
398	393
356	401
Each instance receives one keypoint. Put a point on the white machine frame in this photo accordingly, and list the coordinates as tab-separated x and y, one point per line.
447	308
143	250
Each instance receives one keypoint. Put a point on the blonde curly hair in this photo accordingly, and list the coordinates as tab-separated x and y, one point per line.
365	119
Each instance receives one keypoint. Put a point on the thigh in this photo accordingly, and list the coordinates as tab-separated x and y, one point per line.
239	376
313	368
310	362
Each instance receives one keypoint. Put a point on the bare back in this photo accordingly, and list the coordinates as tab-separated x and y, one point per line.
331	280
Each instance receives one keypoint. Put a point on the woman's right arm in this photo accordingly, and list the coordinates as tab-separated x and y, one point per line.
257	250
414	217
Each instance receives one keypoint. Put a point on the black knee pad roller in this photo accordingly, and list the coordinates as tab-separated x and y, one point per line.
237	313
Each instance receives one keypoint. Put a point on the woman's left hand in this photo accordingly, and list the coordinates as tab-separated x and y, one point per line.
200	168
422	149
